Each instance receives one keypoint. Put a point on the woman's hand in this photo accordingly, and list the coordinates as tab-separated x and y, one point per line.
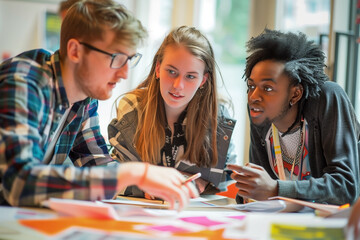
200	183
162	182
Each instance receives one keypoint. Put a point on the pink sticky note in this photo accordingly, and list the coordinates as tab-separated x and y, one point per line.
204	221
237	217
167	228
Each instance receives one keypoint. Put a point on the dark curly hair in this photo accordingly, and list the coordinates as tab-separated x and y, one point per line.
303	59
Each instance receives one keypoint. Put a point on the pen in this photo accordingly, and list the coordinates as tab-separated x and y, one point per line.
192	178
231	171
346	205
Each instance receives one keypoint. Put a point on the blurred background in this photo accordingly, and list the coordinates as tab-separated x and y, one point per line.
333	24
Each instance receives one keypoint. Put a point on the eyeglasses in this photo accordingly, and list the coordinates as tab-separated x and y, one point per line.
118	60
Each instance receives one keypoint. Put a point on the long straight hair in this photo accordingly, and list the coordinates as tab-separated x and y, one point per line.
201	117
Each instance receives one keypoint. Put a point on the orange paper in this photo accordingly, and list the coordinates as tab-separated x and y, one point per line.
55	226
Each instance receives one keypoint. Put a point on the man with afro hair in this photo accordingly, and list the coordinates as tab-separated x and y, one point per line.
305	137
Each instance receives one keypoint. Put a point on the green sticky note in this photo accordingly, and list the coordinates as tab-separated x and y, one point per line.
294	232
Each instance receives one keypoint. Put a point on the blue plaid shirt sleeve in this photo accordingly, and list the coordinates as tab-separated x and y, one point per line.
28	96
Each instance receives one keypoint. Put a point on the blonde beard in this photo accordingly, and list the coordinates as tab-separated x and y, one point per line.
81	78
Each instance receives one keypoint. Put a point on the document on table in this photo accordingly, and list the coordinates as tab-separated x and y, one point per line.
323	210
207	201
193	224
116	210
211	201
261	206
99	210
125	206
140	202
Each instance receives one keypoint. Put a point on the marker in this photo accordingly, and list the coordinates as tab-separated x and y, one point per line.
192	178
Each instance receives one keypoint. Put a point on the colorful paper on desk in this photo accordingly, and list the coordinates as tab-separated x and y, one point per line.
8	212
179	233
55	226
202	220
140	199
185	224
260	206
217	221
238	217
76	233
98	210
325	209
199	202
62	227
204	235
208	201
14	230
140	202
167	228
282	231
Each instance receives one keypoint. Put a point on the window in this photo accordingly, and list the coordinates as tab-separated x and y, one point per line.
311	17
225	23
155	15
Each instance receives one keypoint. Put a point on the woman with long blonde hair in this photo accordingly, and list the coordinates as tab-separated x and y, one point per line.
174	118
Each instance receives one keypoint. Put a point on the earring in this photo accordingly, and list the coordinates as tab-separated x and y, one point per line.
291	104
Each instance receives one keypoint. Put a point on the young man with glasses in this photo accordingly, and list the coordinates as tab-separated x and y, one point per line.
50	140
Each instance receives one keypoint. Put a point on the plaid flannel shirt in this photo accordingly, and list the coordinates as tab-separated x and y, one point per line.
32	101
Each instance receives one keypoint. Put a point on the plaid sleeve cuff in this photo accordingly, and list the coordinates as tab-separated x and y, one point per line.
103	181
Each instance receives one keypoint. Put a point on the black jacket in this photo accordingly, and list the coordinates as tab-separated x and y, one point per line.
334	146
